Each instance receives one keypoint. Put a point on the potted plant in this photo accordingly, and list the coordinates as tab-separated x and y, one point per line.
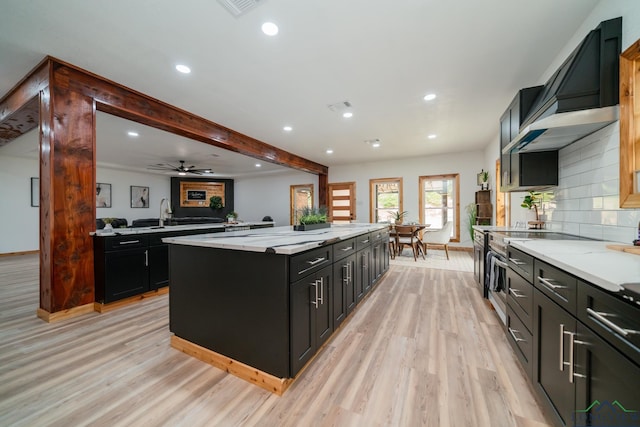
232	216
398	217
215	202
529	201
484	178
472	214
312	219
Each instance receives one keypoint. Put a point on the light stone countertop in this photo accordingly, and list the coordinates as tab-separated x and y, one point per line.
279	240
588	260
156	229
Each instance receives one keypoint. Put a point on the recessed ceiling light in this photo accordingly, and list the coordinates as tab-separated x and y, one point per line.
375	145
430	97
183	69
132	133
432	136
207	171
287	128
182	173
329	151
258	165
269	28
347	115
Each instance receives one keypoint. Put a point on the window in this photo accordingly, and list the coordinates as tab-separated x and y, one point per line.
440	202
301	196
385	199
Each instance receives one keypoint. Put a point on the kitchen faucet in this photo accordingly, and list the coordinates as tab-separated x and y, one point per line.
164	214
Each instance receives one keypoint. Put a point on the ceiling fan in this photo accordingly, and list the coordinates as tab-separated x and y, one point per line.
181	169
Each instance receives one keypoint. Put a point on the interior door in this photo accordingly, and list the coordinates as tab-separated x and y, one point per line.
342	202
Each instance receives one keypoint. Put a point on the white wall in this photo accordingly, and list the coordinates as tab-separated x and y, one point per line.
467	164
256	197
19	221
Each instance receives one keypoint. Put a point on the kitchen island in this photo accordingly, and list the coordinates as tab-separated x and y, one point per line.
261	303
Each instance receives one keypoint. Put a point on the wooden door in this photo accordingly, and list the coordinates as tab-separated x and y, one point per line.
342	202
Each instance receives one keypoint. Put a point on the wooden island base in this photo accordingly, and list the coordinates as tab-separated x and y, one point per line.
248	373
103	308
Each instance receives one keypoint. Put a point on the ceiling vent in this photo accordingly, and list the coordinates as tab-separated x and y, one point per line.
239	7
340	106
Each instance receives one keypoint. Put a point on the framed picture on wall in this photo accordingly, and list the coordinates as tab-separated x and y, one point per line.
139	197
35	191
103	195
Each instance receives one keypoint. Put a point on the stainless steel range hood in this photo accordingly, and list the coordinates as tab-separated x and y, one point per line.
561	129
580	98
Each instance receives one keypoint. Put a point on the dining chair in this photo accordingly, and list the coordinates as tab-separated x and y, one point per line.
438	238
392	241
407	235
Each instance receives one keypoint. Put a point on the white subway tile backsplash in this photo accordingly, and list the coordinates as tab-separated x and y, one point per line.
587	198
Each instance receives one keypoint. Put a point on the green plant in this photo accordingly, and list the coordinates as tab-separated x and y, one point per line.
399	216
472	214
310	215
233	215
484	175
215	202
531	200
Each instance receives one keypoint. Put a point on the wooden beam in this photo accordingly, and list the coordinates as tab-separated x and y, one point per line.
121	101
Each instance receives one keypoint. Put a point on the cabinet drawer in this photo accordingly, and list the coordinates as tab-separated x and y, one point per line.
344	248
363	241
117	243
521	263
557	285
617	321
520	298
379	235
521	341
309	262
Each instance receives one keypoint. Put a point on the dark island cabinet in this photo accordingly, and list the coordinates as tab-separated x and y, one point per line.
270	311
121	267
311	316
344	288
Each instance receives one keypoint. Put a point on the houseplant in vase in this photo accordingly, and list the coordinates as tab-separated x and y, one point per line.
312	219
530	201
232	217
398	217
484	180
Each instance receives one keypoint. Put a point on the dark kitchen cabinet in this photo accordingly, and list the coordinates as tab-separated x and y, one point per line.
121	267
603	374
524	170
311	315
554	335
344	288
363	277
379	254
158	266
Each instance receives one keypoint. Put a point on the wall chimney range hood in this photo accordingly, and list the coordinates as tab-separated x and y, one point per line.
580	98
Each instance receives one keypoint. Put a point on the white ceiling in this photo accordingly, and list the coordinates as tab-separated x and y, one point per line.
382	56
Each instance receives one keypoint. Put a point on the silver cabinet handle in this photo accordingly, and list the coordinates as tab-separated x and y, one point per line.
600	316
516	294
561	347
365	241
548	284
345	278
501	264
349	272
315	301
315	261
571	361
513	334
516	261
321	301
364	257
146	258
349	248
129	242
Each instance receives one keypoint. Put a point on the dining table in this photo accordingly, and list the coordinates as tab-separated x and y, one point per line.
417	233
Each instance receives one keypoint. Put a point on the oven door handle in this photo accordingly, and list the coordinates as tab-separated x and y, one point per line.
501	264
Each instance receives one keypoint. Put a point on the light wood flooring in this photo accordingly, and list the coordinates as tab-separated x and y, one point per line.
422	350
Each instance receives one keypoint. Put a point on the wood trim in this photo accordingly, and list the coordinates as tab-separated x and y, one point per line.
375	181
500	200
104	308
629	126
248	373
64	314
456	180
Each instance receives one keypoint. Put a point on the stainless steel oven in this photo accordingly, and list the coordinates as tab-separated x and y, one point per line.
496	274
